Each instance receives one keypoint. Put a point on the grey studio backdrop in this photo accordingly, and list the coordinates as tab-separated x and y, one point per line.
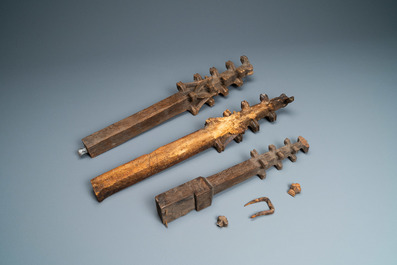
70	68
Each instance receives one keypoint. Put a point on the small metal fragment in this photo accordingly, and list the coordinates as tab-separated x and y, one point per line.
294	189
222	221
262	199
82	151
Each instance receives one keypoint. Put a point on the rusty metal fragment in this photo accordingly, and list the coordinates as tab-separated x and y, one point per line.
197	194
191	97
222	221
218	132
294	189
262	199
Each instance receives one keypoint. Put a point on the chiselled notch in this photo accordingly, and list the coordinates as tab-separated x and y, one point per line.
217	132
182	199
227	113
191	97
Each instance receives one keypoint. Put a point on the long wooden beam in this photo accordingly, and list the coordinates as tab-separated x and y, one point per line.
197	194
218	132
191	97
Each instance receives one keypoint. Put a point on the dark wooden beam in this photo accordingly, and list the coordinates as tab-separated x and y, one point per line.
197	194
191	97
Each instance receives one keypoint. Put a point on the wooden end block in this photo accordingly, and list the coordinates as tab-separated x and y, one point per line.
174	203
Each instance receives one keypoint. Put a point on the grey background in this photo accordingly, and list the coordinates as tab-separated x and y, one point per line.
69	68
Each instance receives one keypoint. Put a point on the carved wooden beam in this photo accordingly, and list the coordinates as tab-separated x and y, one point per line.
198	193
191	97
218	132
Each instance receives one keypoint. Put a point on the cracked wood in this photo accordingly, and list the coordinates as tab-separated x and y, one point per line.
218	132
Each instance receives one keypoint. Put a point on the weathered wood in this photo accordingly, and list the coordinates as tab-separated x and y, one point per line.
218	132
191	97
198	193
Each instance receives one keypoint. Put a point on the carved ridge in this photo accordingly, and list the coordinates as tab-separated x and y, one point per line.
202	90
